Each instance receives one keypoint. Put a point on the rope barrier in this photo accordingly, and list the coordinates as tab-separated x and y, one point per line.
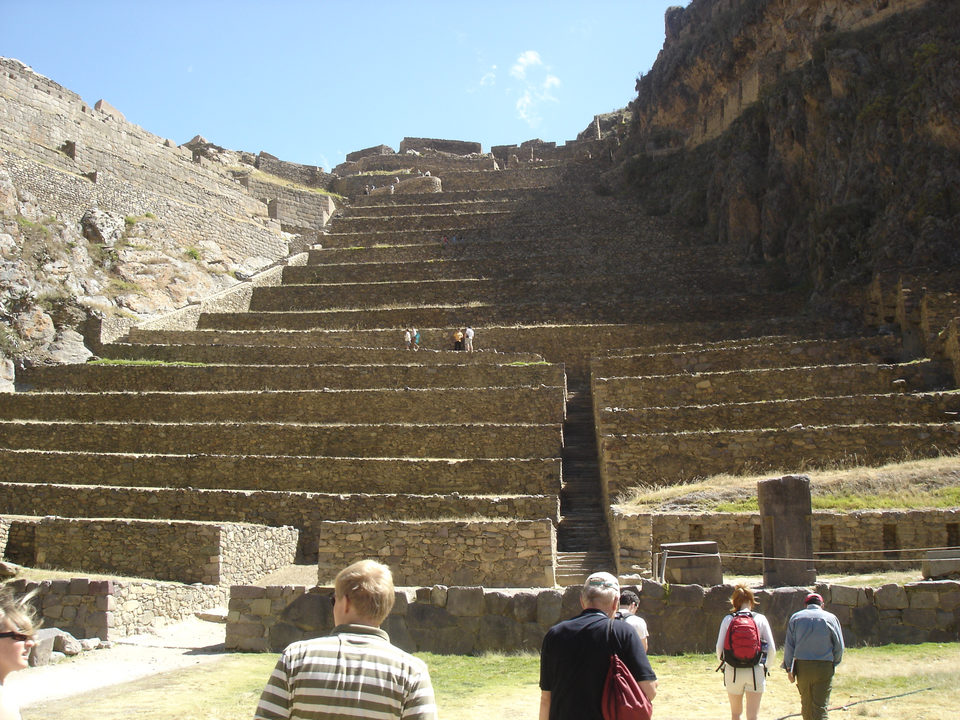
861	702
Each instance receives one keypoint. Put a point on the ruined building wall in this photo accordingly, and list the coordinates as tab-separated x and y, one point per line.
60	148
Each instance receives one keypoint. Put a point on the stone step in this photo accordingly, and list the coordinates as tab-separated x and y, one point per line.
227	350
421	207
345	440
196	378
518	250
573	568
540	266
670	458
371	239
536	476
459	196
302	510
541	405
602	309
477	218
558	290
567	343
757	354
839	410
767	384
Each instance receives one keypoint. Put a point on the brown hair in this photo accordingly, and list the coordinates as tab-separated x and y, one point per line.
20	612
741	595
369	585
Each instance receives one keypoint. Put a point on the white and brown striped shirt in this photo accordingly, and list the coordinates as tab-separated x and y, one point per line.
353	673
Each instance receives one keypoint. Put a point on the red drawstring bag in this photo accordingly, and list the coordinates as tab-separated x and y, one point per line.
622	697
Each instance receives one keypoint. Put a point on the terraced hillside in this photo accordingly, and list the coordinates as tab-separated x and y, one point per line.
456	467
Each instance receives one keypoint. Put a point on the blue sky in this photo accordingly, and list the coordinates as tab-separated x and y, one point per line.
312	81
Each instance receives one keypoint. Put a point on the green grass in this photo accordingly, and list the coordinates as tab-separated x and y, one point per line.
119	361
192	253
491	686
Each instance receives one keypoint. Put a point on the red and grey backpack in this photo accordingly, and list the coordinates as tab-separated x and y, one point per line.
741	646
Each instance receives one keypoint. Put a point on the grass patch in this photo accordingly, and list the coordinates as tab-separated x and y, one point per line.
121	361
930	483
275	180
192	253
478	688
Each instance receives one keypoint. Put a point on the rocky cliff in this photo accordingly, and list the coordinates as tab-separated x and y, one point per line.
819	136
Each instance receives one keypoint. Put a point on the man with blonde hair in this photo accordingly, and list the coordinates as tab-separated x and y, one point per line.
354	672
576	654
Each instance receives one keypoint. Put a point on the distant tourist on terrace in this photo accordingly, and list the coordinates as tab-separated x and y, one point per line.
468	339
354	672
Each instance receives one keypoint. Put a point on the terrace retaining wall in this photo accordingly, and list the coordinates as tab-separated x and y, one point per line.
681	618
869	539
494	553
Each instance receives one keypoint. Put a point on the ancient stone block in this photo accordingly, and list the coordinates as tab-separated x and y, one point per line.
891	596
465	601
786	516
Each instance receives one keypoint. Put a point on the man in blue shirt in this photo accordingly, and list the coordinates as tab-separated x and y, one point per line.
812	649
576	654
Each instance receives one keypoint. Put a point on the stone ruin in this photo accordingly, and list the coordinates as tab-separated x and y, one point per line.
286	412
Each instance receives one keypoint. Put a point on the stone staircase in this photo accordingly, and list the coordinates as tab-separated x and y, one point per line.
305	410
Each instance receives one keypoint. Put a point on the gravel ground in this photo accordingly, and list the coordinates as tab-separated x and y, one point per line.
172	647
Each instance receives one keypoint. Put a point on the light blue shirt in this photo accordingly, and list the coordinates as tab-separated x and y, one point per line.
813	634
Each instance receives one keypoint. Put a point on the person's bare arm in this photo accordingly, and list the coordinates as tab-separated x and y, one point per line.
648	687
545	705
644	641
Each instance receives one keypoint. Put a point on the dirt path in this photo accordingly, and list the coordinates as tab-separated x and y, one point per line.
176	646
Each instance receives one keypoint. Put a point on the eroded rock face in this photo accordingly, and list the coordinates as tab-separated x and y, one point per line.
102	227
817	136
55	274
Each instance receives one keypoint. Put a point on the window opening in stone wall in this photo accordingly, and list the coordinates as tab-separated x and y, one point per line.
953	534
695	533
890	544
828	541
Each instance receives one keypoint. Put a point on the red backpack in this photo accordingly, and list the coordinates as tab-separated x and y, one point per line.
741	646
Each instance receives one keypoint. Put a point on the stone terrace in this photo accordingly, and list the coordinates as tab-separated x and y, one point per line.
307	412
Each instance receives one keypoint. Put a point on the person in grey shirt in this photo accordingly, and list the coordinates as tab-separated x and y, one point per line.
812	650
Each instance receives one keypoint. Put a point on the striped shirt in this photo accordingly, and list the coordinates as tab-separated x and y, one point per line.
353	673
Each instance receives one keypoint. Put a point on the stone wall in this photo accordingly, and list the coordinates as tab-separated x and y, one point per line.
422	405
112	609
309	175
857	541
305	511
761	384
17	539
681	618
504	553
630	460
189	552
455	147
119	167
843	410
297	209
479	440
532	476
375	150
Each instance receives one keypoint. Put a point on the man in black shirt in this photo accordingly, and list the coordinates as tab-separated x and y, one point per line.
576	654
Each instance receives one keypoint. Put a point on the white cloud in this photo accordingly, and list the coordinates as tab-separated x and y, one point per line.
490	78
536	86
529	58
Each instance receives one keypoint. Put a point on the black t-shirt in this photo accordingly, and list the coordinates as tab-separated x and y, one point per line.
575	658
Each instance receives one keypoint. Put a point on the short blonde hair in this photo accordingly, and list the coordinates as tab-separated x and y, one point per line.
369	585
19	612
742	594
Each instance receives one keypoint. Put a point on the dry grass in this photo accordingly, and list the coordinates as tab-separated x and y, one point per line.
933	482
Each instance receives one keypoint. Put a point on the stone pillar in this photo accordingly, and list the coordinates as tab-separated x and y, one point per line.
786	517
